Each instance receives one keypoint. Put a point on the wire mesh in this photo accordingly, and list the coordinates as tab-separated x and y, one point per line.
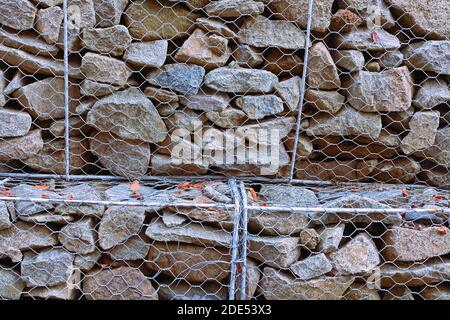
305	101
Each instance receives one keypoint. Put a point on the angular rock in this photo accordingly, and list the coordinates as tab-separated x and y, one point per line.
147	54
122	192
289	91
17	14
322	72
312	267
229	118
47	268
182	78
373	12
399	293
109	12
253	277
352	60
215	26
234	8
260	32
11	285
48	23
402	170
278	62
423	18
182	290
278	252
29	208
357	257
344	21
166	165
404	244
428	56
79	237
5	222
161	96
119	224
361	291
105	69
14	123
391	59
77	126
277	285
246	56
258	107
304	147
111	41
192	263
297	11
152	20
422	134
86	262
126	158
66	291
206	100
81	192
361	39
135	248
441	292
28	42
124	283
44	99
431	93
330	238
309	238
171	219
386	91
48	3
127	106
89	88
347	122
282	126
440	151
327	101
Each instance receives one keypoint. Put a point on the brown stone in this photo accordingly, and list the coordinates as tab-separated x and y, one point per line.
322	72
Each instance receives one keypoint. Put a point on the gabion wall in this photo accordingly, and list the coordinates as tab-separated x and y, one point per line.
319	94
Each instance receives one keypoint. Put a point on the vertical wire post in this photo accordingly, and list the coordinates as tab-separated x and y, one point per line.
66	93
235	239
302	91
244	240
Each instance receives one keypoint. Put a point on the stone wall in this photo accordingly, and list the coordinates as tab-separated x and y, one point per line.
376	104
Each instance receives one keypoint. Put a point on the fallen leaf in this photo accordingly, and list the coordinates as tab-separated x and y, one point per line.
355	189
44	196
442	230
374	36
253	194
405	192
134	186
185	185
137	195
438	197
264	204
69	197
198	186
6	192
42	186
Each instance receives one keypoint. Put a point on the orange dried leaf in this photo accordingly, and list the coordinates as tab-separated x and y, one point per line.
374	36
44	196
137	195
42	186
264	204
69	197
253	194
438	197
198	186
134	186
442	230
6	192
405	192
185	185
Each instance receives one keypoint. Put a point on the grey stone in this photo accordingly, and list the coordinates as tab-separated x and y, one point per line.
109	41
246	56
5	222
391	59
105	69
322	72
327	101
429	56
215	26
309	238
206	100
109	12
397	170
171	219
361	39
312	267
28	42
182	78
17	14
283	125
147	54
86	262
11	285
229	118
372	11
431	93
278	252
47	268
81	192
330	238
66	291
258	107
89	88
352	60
422	134
48	23
28	208
79	237
135	248
289	91
14	123
439	152
253	277
233	8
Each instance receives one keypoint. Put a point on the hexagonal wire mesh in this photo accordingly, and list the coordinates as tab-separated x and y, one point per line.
291	90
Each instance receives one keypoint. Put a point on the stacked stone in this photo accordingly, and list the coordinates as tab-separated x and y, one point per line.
94	251
376	99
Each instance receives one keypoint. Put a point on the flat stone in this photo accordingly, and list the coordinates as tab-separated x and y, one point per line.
48	23
386	91
11	285
47	268
122	192
171	219
135	248
161	96
124	283
182	78
66	291
391	59
322	72
289	91
234	8
111	41
215	26
258	107
357	257
28	42
277	285
431	93
361	291
422	18
128	106
123	157
235	80
440	292
182	290
206	100
78	237
105	69
372	12
166	165
344	21
415	274
404	244
438	177
260	32
229	118
402	170
297	11
422	134
278	252
283	125
428	56
119	224
109	12
17	81
77	125
327	101
246	56
330	238
14	123
82	191
361	39
355	202
28	208
5	222
17	14
151	20
398	293
85	262
190	262
190	233
278	62
305	147
21	147
312	267
48	3
147	54
440	151
44	99
52	158
347	122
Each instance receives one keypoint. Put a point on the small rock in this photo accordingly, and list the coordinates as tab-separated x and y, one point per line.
361	39
309	238
246	56
17	14
229	118
357	257
182	78
391	59
119	224
78	237
105	69
322	72
278	62
422	134
361	291
352	60
86	262
135	248
258	107
50	267
327	101
282	125
372	66
344	21
48	23
14	123
66	291
124	283
171	219
161	95
233	8
206	100
330	238
428	56
216	27
312	267
166	165
147	54
431	93
110	41
253	277
278	252
5	222
423	218
289	91
11	285
109	12
440	151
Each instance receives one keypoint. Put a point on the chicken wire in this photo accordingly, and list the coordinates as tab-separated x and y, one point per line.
311	93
